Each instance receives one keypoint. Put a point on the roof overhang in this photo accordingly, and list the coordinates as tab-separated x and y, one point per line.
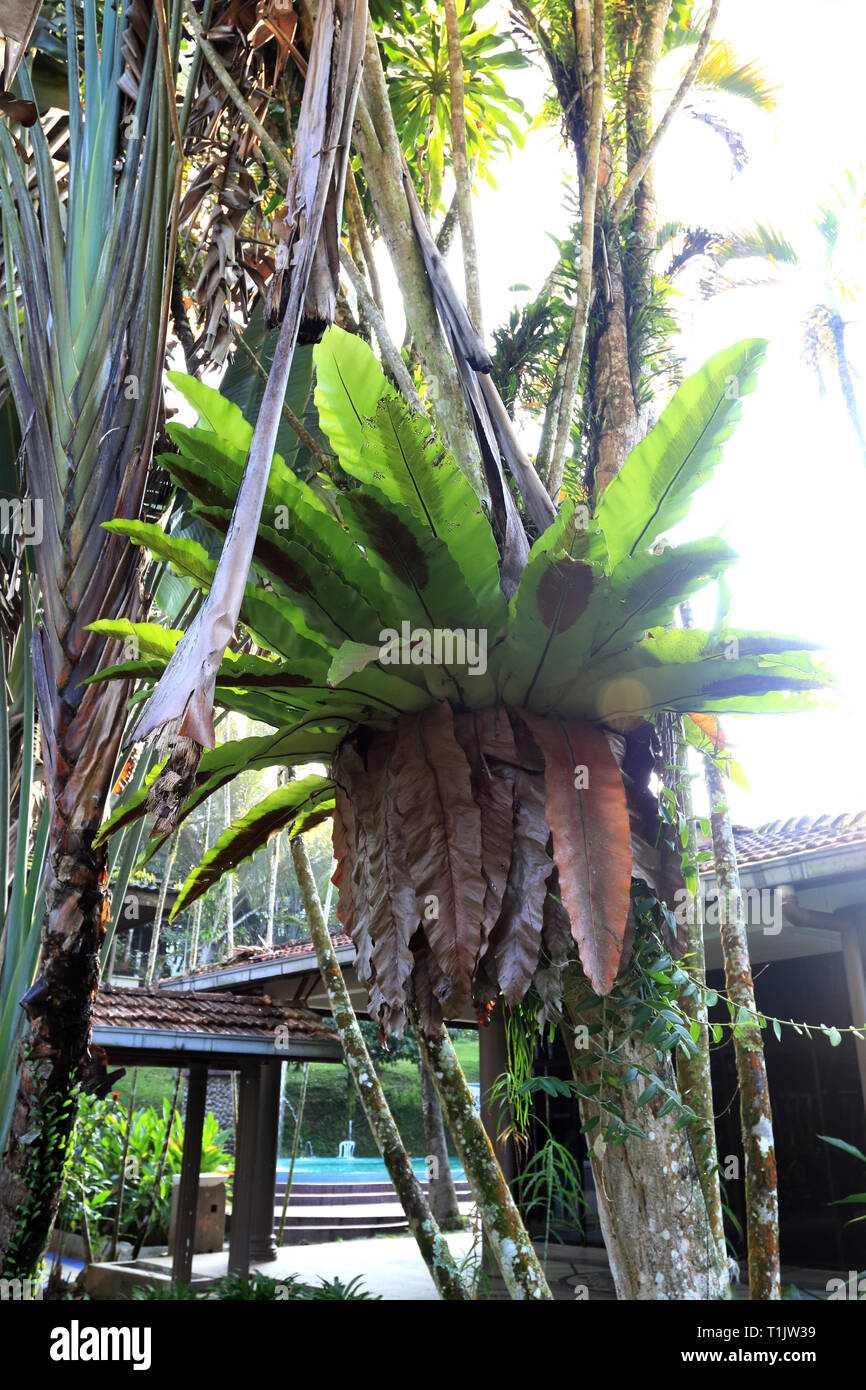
163	1046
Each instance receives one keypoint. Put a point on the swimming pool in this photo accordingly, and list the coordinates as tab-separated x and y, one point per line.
350	1169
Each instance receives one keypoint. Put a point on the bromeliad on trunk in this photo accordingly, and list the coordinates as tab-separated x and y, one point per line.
461	787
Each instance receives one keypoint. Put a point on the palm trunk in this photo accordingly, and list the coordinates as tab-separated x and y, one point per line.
441	1191
756	1120
431	1242
60	1002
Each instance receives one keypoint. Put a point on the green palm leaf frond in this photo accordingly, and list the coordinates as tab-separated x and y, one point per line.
296	808
724	71
759	240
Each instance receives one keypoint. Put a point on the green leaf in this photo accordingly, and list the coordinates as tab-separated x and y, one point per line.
349	658
652	490
243	386
247	835
846	1148
380	440
647	1094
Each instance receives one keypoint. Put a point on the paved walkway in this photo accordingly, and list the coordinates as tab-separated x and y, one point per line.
390	1266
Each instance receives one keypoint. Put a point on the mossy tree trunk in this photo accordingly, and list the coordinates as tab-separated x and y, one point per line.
441	1191
431	1242
654	1219
509	1240
756	1120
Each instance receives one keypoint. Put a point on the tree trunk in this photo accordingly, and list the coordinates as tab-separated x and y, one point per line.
160	909
461	167
376	141
509	1240
229	883
756	1120
651	1208
79	770
441	1193
422	1224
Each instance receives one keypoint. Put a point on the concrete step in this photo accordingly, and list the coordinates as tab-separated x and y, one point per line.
360	1188
319	1235
300	1197
379	1215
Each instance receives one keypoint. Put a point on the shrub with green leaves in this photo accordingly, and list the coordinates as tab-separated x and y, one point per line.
96	1162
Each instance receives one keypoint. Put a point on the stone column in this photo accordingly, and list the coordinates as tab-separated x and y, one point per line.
263	1245
190	1167
245	1155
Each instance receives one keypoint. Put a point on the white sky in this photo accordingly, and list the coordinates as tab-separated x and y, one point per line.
790	494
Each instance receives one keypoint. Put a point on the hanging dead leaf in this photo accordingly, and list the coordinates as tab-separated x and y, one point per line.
588	818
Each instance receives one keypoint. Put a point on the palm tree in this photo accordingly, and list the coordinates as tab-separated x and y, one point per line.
761	256
82	337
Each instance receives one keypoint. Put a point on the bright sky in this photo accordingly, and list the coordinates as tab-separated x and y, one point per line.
790	494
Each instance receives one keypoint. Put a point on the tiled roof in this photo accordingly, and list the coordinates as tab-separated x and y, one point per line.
779	838
251	955
235	1015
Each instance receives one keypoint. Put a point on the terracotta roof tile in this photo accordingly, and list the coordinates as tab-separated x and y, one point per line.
251	955
244	1015
779	838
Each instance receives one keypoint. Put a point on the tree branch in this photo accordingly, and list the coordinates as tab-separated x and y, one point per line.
390	351
638	170
577	337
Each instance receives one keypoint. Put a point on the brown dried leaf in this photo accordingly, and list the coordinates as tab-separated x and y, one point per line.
591	839
487	739
516	939
442	833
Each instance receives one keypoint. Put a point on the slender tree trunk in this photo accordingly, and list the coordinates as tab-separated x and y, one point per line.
272	878
378	145
509	1240
229	881
693	1073
441	1192
160	909
461	167
431	1242
197	910
577	337
296	1140
843	374
756	1120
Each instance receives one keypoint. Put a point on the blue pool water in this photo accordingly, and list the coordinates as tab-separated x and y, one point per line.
349	1169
